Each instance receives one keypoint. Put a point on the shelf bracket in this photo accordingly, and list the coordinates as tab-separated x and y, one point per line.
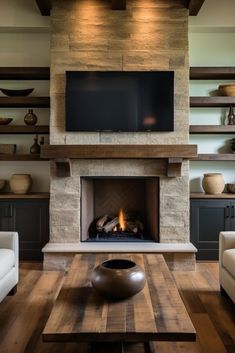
174	167
63	168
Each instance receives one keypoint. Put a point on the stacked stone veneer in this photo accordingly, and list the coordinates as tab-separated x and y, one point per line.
149	35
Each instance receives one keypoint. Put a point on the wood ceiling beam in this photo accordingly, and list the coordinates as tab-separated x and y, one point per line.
44	7
194	7
118	4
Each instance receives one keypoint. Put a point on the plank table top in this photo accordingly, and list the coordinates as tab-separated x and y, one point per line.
157	313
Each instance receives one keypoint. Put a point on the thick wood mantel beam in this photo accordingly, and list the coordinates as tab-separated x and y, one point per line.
44	6
173	154
194	6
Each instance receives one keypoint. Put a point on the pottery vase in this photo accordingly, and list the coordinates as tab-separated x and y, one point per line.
118	278
35	148
30	118
213	183
20	183
231	116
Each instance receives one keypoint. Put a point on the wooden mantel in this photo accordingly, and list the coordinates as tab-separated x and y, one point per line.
173	154
194	6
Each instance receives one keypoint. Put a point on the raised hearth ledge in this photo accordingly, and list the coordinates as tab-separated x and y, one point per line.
179	256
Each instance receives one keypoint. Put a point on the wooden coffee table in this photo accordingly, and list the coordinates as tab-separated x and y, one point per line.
157	313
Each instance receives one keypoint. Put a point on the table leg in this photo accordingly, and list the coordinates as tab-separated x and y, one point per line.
107	347
149	347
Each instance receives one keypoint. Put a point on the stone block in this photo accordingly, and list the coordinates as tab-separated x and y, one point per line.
70	233
60	217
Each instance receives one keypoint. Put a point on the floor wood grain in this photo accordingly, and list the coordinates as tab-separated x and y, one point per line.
23	316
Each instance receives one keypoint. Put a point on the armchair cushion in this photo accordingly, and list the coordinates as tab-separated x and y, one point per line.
229	261
7	257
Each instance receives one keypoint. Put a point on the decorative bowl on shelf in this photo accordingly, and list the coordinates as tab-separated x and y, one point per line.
5	121
118	278
230	188
17	92
227	89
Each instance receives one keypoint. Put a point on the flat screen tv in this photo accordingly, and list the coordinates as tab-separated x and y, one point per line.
119	101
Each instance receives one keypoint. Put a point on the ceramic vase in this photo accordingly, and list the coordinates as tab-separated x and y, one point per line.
213	183
20	183
30	118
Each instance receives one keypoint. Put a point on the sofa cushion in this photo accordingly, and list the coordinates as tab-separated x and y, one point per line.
7	261
229	261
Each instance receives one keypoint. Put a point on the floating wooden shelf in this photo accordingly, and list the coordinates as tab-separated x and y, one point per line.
24	73
212	73
212	129
202	195
32	195
215	157
197	102
21	157
24	129
27	102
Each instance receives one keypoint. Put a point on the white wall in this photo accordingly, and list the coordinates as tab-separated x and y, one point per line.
210	49
21	47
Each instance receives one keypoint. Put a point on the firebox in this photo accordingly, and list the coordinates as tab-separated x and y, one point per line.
115	209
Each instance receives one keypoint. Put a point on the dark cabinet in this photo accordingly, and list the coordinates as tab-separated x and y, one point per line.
207	219
30	218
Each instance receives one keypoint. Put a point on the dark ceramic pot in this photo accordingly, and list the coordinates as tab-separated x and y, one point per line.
118	278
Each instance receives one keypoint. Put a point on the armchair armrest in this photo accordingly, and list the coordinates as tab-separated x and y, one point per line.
226	241
9	240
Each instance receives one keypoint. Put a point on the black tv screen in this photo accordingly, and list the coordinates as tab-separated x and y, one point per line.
119	101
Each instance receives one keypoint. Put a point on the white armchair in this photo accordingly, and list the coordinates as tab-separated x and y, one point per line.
9	263
227	263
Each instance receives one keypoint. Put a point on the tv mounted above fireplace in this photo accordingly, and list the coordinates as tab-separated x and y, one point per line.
119	101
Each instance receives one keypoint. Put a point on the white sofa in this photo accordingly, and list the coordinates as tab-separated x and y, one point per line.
227	263
9	263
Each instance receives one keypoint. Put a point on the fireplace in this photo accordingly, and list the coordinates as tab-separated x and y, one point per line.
115	209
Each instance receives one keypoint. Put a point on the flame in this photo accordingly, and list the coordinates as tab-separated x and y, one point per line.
121	219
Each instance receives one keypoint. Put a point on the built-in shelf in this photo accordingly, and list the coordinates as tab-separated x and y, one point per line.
21	157
24	73
214	157
212	73
202	195
32	195
215	101
27	102
24	129
212	129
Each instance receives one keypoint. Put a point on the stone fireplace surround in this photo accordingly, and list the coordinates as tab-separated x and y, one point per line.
149	35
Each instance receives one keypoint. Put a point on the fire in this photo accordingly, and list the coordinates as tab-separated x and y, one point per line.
121	219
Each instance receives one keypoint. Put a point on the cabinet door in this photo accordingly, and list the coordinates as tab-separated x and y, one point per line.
4	216
208	218
30	219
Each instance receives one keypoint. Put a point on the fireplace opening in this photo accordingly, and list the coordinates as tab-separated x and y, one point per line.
119	209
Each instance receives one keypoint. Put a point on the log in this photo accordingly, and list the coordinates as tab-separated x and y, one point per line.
110	225
101	221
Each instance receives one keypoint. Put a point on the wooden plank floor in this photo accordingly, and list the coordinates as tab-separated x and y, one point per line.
23	316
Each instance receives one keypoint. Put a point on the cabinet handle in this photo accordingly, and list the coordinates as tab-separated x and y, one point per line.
10	211
227	212
233	214
5	211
